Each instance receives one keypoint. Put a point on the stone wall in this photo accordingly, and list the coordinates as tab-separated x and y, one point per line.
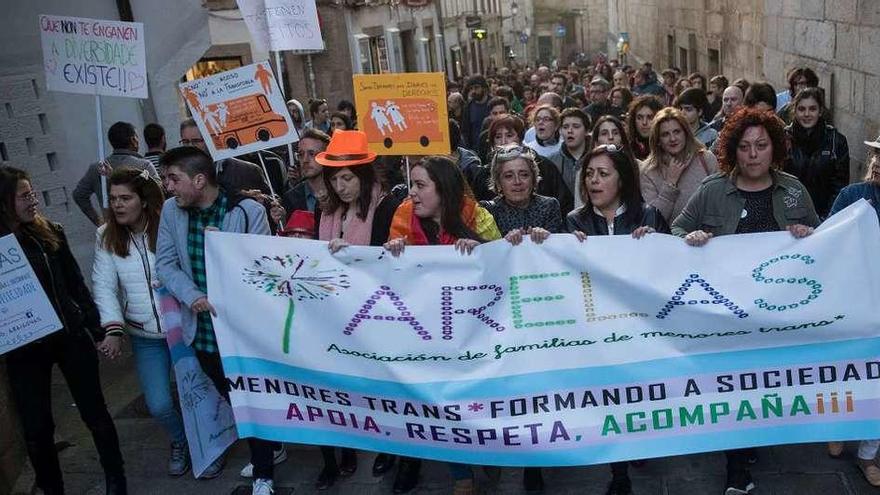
709	36
761	40
840	40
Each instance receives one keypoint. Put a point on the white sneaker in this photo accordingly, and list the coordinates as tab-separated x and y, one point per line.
278	456
262	486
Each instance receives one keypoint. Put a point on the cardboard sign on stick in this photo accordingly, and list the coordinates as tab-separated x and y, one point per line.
279	25
25	311
94	56
239	111
403	114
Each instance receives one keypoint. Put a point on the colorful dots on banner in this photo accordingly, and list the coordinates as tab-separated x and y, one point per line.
447	311
404	314
696	281
517	302
813	286
590	306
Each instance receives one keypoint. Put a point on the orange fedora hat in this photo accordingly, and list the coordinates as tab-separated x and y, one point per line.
346	148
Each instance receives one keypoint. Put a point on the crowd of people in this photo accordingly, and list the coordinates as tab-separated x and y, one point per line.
605	150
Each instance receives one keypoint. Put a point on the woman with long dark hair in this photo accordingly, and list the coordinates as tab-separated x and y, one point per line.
613	205
358	213
440	210
818	154
123	274
30	367
638	123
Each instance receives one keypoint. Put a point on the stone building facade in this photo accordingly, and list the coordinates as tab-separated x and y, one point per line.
761	40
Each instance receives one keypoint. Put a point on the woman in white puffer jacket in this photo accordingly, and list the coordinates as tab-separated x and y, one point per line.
122	277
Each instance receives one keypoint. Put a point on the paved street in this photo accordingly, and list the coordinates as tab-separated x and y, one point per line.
790	470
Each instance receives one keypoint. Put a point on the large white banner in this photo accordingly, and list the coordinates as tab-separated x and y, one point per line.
563	353
94	56
25	311
279	25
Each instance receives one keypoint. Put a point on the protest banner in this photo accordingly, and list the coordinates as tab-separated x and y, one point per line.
207	417
94	56
25	311
403	114
239	111
279	25
561	354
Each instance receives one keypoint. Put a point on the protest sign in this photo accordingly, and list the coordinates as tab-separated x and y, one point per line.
282	24
403	114
239	111
566	353
94	56
207	417
25	311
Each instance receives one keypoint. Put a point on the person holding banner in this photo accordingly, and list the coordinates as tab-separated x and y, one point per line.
359	212
30	367
750	194
613	205
870	191
518	207
200	204
440	210
124	269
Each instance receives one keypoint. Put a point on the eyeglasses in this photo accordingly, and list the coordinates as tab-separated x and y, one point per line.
191	142
299	155
544	119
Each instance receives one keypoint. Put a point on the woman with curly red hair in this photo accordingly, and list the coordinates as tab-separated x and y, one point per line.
750	194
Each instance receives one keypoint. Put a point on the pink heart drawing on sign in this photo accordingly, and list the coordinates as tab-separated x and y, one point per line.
135	81
52	65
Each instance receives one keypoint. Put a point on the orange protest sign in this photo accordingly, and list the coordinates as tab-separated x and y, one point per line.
403	114
241	110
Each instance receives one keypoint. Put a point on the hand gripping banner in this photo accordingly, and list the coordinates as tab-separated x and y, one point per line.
564	353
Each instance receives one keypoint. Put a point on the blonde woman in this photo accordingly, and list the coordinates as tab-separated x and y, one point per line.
676	164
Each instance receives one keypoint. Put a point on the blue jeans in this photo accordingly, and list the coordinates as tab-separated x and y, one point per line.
153	362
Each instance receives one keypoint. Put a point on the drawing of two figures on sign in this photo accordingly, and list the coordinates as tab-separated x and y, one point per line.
215	117
385	117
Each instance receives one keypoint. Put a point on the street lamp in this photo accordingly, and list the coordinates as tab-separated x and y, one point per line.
514	8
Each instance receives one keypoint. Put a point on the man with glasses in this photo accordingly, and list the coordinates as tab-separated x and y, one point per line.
599	106
308	194
233	175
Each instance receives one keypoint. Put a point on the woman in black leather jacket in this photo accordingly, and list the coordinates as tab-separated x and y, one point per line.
612	199
613	205
818	154
30	367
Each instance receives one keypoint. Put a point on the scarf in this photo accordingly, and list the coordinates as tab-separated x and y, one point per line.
809	140
358	232
407	225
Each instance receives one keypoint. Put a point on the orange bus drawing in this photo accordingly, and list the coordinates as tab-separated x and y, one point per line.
393	121
242	121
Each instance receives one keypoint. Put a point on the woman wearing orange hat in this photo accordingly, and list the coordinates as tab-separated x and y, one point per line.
440	210
358	213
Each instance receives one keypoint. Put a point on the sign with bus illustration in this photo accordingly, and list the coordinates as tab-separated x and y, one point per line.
403	114
239	111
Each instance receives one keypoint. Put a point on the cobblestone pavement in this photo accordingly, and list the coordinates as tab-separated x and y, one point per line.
783	470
